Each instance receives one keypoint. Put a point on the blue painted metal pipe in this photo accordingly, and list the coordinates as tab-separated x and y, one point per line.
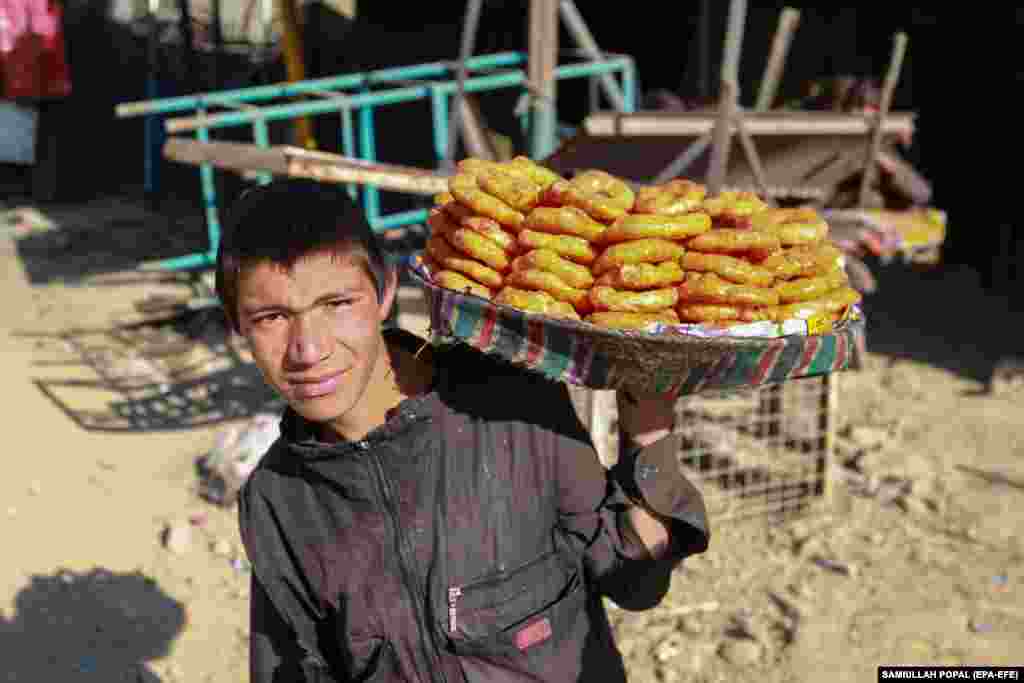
394	96
173	105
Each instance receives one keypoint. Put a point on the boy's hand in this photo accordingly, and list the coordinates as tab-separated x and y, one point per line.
646	418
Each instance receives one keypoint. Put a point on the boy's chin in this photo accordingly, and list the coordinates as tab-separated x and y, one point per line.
319	411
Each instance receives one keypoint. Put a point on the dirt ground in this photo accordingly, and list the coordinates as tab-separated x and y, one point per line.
917	559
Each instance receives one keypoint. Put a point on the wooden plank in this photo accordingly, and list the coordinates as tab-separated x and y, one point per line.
301	163
675	124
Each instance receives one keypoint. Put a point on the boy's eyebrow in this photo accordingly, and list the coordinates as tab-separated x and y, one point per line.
254	310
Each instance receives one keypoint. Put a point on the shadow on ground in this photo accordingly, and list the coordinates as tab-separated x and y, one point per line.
73	242
167	375
97	626
943	317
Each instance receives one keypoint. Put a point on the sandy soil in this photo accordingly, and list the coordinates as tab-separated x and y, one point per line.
108	414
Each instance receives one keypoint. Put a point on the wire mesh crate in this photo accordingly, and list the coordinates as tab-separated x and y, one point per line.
760	452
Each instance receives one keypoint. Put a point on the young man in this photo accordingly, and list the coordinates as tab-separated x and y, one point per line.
428	515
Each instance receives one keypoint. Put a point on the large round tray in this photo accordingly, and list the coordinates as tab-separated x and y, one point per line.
600	358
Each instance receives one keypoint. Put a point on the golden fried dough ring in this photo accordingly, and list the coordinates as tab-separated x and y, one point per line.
733	209
733	240
466	189
804	261
799	226
728	268
651	301
443	198
522	194
833	303
713	313
573	274
810	288
534	171
632	321
638	251
474	244
642	226
449	259
564	220
536	302
597	206
442	223
671	198
640	276
711	289
607	186
449	279
541	280
575	249
460	215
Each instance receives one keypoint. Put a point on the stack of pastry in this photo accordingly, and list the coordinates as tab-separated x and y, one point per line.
590	248
810	278
559	242
723	285
761	263
639	268
475	224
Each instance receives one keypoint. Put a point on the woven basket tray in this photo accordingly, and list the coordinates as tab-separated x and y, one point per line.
600	358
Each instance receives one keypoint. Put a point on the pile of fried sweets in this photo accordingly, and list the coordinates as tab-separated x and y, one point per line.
592	249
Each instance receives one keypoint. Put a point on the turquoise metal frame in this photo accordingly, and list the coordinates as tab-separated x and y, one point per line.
358	138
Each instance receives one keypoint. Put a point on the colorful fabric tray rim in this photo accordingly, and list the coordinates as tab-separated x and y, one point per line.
565	350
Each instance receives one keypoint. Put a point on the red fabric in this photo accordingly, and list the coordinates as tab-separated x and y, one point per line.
32	59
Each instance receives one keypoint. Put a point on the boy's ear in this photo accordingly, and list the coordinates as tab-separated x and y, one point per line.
390	291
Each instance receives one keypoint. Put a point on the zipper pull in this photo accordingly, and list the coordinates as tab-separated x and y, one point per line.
453	596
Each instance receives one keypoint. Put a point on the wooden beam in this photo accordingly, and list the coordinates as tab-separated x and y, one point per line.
788	21
728	101
302	163
543	59
672	124
899	49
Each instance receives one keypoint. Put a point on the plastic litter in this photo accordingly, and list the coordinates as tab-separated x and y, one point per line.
236	452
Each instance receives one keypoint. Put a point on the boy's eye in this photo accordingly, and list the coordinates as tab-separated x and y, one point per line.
338	303
264	320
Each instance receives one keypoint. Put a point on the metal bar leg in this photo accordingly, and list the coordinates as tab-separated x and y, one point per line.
348	145
262	137
439	120
209	186
368	152
629	88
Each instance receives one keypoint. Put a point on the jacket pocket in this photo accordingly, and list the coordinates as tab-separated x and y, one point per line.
532	607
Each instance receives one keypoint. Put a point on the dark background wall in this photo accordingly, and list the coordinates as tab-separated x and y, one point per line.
961	75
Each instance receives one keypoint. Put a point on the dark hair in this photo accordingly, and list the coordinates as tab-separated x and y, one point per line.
285	220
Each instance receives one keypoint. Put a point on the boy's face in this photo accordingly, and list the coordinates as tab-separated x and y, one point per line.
315	332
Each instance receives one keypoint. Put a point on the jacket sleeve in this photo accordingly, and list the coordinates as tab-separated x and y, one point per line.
283	643
593	502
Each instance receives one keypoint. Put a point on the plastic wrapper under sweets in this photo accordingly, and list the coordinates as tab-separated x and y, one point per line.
659	290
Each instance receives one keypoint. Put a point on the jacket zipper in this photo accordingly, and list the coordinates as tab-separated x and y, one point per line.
456	592
408	573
